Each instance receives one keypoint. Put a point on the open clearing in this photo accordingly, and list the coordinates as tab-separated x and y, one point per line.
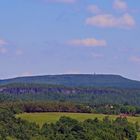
41	118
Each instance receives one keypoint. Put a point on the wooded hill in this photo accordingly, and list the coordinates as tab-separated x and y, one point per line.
78	80
41	92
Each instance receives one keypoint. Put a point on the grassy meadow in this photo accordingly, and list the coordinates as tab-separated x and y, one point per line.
41	118
138	138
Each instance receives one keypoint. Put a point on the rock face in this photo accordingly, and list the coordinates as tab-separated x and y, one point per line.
35	89
90	95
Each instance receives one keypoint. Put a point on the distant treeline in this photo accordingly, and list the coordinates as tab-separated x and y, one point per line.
66	129
31	107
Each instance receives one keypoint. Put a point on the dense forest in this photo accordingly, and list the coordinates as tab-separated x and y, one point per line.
32	107
88	95
66	129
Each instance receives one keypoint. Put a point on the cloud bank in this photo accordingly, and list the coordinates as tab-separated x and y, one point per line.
135	59
3	42
108	20
120	5
89	42
61	1
2	46
3	50
94	9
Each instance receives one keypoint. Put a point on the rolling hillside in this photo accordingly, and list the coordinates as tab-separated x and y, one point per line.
78	80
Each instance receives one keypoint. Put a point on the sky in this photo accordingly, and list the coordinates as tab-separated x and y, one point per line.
41	37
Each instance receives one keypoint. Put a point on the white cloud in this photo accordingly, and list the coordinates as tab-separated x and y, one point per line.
19	52
97	55
94	9
120	5
135	59
3	42
72	72
108	20
89	42
61	1
27	73
3	50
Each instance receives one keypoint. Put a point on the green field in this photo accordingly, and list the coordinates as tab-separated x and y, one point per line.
138	138
41	118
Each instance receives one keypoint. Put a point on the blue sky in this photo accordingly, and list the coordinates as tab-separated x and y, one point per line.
40	37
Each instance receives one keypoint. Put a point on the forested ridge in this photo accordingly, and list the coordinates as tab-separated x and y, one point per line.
91	95
76	80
